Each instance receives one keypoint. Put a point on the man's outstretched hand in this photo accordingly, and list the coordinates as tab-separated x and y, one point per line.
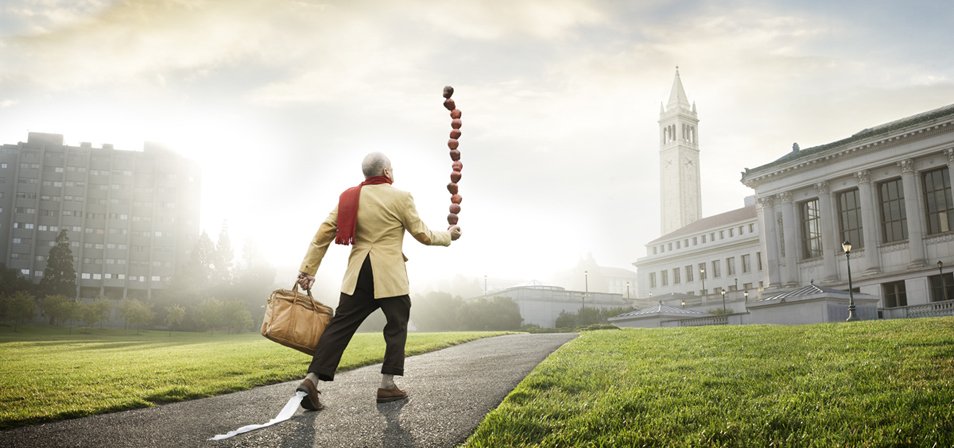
455	232
305	281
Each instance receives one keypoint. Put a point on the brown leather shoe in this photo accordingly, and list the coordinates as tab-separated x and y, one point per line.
386	395
311	401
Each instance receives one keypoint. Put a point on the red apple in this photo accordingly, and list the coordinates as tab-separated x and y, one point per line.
453	143
455	113
457	199
455	123
454	155
449	104
455	176
455	133
455	208
448	91
457	166
452	188
452	219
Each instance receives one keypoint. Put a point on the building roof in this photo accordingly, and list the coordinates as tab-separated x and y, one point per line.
709	222
657	310
864	134
811	291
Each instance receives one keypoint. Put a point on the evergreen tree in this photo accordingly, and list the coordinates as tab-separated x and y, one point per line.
222	258
59	277
195	277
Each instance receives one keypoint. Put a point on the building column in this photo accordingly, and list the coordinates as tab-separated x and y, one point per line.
869	224
913	213
790	236
827	230
770	269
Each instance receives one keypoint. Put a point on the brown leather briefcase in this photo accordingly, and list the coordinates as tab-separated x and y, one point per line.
295	320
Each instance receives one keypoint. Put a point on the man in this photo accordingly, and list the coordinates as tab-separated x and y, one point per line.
372	217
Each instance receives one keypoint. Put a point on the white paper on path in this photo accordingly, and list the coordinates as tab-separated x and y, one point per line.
285	414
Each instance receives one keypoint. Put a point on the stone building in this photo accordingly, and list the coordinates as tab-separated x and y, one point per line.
131	216
886	189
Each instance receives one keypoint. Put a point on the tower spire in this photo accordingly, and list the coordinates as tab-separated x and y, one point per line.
677	96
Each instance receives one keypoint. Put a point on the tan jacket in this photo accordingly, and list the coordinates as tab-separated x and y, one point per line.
384	212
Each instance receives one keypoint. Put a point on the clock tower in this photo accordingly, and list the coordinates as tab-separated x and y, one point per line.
680	189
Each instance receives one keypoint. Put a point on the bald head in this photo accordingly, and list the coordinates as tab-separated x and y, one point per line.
374	164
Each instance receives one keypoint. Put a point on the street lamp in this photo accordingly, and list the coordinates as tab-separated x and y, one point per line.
586	286
702	275
746	294
846	246
627	290
723	301
940	272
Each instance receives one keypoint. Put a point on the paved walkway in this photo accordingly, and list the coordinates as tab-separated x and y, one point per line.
451	391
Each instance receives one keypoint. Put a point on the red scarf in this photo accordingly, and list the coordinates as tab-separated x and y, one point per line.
348	209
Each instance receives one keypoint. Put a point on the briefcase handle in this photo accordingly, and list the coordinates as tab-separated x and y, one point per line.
295	290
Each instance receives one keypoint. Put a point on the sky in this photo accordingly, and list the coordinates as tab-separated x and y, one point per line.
280	100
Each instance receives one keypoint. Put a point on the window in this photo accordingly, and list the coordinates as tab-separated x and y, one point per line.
703	239
665	278
716	269
722	234
942	288
894	222
731	232
85	276
849	217
751	228
695	240
811	229
894	294
652	279
758	260
689	274
730	266
937	200
675	276
746	263
155	278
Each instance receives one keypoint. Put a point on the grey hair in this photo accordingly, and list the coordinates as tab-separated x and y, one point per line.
374	164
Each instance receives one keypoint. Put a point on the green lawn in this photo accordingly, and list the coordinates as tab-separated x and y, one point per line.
878	383
50	375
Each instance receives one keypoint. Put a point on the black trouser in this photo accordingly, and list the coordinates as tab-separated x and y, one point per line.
351	311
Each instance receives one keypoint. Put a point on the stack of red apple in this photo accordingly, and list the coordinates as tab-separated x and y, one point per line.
456	165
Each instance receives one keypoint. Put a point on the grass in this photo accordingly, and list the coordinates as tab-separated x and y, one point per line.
50	375
876	383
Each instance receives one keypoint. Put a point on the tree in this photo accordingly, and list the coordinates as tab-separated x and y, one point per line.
59	308
95	312
497	313
437	311
12	282
236	317
175	314
19	307
211	314
59	277
136	313
222	258
194	278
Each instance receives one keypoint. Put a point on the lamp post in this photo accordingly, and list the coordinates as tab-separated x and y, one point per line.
627	290
586	288
702	275
940	272
723	301
746	294
846	246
